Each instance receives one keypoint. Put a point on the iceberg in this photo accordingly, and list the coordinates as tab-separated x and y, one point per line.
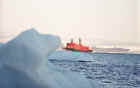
23	64
1	44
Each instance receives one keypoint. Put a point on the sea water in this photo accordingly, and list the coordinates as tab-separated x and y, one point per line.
109	70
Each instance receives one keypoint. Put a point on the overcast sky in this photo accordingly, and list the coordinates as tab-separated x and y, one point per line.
109	20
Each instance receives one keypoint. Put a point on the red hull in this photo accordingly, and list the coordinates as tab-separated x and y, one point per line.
74	50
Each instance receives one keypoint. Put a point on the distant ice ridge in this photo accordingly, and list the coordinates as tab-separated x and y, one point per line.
23	64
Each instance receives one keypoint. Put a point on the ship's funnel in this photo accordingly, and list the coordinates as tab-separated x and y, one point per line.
72	40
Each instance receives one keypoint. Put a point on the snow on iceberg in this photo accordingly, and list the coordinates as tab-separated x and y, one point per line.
23	64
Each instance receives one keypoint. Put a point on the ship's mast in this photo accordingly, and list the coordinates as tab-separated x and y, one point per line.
80	41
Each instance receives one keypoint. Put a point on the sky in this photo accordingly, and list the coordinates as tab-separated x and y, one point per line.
138	18
104	20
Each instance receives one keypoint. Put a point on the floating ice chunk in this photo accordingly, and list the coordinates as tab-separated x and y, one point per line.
28	50
23	64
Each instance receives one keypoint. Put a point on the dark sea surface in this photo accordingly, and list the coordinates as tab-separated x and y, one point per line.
109	70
